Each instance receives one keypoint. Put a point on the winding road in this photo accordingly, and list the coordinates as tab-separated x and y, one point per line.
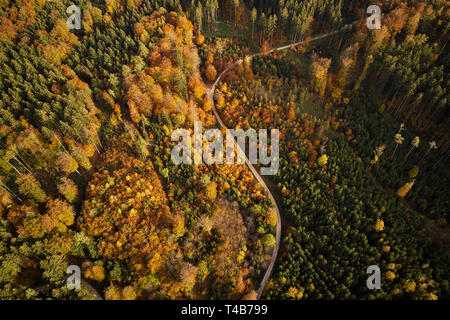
210	92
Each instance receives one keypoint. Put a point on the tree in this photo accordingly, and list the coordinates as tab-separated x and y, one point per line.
80	156
87	21
294	293
322	160
211	72
66	163
96	15
112	293
178	226
319	74
253	16
265	47
59	216
188	274
378	152
413	172
197	88
410	286
141	148
263	26
269	240
272	26
130	5
271	218
431	145
415	144
211	191
236	5
284	15
398	139
68	189
30	187
390	275
199	18
403	190
128	293
379	225
200	39
54	267
413	23
93	271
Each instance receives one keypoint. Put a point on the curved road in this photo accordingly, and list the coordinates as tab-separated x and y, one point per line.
210	92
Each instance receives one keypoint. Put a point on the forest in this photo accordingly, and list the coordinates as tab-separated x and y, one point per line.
86	177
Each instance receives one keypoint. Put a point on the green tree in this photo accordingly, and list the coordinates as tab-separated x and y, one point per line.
30	187
199	17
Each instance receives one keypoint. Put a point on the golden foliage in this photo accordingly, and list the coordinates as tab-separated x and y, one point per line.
379	225
413	172
294	293
322	160
390	275
409	286
210	72
403	190
211	191
68	189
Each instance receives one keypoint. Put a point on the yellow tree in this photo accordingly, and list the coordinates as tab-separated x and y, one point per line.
403	190
30	187
128	293
87	21
378	152
398	139
379	225
322	160
319	73
413	172
178	225
415	144
294	293
68	189
211	191
210	72
59	215
112	293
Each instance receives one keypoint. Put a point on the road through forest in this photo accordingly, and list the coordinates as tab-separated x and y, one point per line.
210	92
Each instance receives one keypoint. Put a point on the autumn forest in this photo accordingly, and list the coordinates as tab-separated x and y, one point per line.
87	177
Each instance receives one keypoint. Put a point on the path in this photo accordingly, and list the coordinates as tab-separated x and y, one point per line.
210	93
